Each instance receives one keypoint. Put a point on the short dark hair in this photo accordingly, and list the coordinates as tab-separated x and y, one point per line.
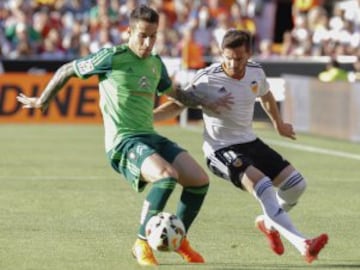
234	38
143	13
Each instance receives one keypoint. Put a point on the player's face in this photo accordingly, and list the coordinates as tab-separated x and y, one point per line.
234	61
142	38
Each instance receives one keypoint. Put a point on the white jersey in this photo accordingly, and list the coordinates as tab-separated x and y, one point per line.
231	126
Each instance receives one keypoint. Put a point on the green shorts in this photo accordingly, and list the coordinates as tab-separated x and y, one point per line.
127	157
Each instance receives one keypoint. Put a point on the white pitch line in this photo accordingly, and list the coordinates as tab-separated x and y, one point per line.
303	147
318	150
50	177
300	147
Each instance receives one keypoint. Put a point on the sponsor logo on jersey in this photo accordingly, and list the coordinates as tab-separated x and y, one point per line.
85	67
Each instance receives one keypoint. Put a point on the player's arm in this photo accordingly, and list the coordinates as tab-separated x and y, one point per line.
60	78
188	97
268	103
167	110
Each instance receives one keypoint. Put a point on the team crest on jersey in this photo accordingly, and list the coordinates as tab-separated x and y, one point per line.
254	86
85	66
237	163
144	82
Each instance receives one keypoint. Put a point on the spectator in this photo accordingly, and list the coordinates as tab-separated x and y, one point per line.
20	42
301	7
333	72
191	51
52	47
318	24
302	35
224	23
289	45
203	26
266	49
102	40
242	21
18	29
320	28
71	41
168	37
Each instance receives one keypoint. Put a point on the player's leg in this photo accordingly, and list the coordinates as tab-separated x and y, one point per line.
163	177
275	218
231	164
140	164
161	174
195	183
291	185
193	179
234	164
190	175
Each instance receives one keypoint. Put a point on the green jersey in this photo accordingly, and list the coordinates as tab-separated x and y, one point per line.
127	85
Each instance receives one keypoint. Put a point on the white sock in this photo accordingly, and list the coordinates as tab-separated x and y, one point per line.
290	190
275	216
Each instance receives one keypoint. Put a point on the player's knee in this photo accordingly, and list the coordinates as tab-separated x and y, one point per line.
202	178
198	179
302	186
291	190
167	172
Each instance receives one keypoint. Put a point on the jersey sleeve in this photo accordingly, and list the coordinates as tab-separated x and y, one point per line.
165	83
264	84
199	84
94	64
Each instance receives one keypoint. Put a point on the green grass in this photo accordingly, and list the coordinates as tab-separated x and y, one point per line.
63	207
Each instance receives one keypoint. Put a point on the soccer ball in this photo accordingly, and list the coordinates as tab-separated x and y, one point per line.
164	232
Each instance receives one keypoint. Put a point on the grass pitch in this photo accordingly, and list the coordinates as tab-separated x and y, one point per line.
63	207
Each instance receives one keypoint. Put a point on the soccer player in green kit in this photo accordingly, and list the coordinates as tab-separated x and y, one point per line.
129	78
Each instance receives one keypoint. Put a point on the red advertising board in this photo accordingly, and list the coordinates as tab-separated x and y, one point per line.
77	102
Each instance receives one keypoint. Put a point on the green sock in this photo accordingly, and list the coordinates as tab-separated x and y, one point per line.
190	203
156	200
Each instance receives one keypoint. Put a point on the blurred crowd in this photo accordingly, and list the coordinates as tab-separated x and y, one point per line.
318	31
190	29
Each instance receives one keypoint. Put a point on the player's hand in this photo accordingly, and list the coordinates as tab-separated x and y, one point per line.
223	102
286	130
30	102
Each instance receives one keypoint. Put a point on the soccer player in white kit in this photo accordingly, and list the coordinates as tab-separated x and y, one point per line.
235	153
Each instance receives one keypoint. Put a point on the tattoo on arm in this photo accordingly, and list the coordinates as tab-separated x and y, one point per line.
60	78
188	98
